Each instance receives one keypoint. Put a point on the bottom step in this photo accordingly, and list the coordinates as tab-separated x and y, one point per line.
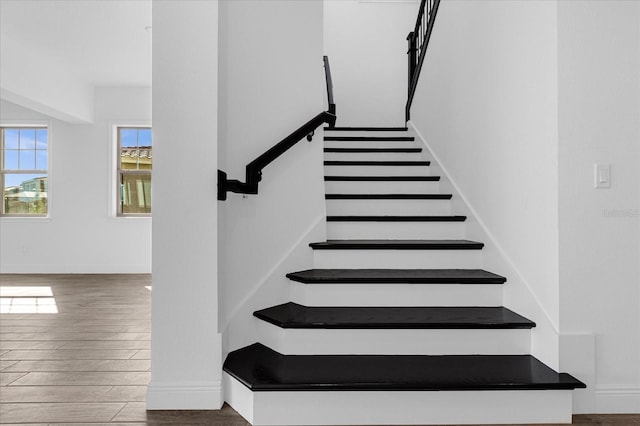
263	369
398	407
268	388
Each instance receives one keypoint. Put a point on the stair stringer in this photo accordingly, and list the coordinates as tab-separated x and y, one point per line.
242	328
518	294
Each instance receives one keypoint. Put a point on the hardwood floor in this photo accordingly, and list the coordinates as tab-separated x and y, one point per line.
89	362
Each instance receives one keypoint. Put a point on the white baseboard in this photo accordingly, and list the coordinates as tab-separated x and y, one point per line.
617	399
184	396
75	269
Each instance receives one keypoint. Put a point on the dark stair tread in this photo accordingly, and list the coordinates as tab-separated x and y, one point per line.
397	245
292	315
262	369
375	163
388	196
396	218
373	150
367	129
382	178
396	276
370	138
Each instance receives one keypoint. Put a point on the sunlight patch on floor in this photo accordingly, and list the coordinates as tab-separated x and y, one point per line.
20	291
27	300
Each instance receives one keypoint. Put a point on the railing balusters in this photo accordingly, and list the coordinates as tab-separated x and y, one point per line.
412	55
329	80
418	41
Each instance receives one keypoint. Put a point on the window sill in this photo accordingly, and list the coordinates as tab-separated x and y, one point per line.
128	218
25	218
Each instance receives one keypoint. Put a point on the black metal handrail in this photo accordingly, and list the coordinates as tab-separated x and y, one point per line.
254	168
253	171
329	80
418	41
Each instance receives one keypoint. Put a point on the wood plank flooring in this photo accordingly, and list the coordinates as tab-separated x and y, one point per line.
89	363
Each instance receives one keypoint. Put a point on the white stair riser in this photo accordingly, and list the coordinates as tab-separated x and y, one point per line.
395	230
373	156
376	170
382	187
396	294
397	407
368	133
395	342
404	259
371	144
388	207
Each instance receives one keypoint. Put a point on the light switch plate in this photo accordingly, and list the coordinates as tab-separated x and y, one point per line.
602	176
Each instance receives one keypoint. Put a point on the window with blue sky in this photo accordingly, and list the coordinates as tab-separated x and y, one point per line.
25	171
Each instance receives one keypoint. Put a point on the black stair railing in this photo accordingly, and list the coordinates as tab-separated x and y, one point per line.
418	41
329	80
253	170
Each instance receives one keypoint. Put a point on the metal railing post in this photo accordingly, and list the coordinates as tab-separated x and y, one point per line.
412	53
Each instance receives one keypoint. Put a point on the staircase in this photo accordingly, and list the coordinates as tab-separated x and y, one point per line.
397	322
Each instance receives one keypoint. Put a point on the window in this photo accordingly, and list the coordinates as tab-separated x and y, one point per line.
134	171
24	171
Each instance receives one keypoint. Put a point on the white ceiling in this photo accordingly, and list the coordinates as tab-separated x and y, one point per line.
103	42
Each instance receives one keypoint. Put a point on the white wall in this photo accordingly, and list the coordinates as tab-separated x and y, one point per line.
271	82
81	234
487	105
367	48
186	362
599	116
519	100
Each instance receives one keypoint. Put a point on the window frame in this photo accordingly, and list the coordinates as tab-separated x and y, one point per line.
119	172
27	124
